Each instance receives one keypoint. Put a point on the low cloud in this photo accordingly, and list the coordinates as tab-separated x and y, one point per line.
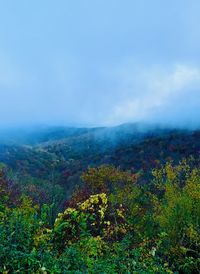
168	95
157	94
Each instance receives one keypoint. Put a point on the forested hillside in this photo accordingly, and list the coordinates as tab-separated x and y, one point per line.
39	160
105	200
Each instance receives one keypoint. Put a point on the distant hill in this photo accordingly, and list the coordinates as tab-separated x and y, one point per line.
67	152
36	135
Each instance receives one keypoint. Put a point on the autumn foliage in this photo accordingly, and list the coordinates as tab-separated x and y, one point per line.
112	224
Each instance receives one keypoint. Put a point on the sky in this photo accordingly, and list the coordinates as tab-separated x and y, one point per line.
99	62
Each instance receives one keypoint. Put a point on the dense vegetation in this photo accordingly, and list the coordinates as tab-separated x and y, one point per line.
135	207
52	165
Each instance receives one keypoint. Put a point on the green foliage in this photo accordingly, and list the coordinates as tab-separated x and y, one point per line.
178	214
17	227
117	226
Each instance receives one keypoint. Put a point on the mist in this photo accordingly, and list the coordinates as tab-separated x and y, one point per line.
99	63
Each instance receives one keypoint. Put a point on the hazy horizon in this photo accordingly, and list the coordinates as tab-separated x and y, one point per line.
99	63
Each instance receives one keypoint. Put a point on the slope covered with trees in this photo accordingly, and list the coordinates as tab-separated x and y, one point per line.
111	225
59	164
98	201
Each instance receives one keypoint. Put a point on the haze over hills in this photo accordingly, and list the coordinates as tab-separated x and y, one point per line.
33	135
70	151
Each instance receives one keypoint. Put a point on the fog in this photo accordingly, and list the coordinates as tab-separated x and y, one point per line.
99	63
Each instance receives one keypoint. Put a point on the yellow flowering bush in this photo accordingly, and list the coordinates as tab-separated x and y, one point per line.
95	217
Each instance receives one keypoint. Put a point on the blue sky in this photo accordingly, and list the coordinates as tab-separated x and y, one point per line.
99	62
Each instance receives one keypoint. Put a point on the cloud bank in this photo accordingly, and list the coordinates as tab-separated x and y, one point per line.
97	63
158	95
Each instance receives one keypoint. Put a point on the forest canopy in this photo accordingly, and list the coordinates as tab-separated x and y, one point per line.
111	224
